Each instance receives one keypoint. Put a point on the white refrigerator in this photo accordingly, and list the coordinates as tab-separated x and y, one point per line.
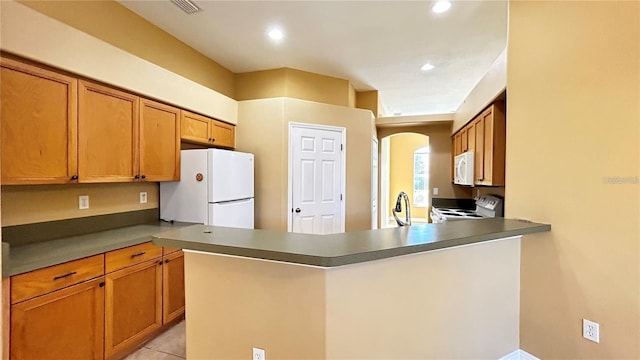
215	188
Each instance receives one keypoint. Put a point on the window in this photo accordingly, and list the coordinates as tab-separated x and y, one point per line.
421	177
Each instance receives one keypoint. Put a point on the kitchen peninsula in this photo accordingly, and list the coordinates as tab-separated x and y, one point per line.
447	290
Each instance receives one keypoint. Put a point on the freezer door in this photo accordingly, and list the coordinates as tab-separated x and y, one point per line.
237	214
186	200
230	175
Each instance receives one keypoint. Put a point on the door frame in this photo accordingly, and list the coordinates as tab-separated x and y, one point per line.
375	179
343	170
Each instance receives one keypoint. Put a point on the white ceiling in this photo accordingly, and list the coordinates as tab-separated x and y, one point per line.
377	45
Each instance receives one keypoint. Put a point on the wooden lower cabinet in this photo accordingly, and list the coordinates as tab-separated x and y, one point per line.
133	306
107	317
173	286
65	324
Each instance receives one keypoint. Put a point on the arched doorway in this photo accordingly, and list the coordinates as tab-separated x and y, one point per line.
404	166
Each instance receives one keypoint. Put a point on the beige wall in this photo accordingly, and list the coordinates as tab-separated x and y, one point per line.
402	146
111	22
368	100
573	132
487	90
292	83
38	203
265	133
446	304
440	164
235	304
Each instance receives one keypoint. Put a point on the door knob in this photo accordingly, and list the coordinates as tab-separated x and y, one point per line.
298	210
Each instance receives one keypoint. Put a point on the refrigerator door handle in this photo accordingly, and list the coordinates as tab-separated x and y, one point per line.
233	201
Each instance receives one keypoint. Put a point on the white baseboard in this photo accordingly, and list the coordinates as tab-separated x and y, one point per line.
519	355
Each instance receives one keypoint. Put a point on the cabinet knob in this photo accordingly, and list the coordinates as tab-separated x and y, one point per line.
298	210
136	177
160	262
213	139
144	176
166	261
74	177
101	284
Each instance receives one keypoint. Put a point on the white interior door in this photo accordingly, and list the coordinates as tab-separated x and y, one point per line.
316	179
374	184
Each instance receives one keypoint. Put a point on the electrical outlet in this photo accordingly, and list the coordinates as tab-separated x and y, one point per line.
259	354
83	202
591	330
436	191
143	197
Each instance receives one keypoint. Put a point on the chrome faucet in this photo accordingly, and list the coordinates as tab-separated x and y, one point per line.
398	208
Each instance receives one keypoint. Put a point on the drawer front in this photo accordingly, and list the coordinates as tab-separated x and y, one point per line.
39	282
168	250
119	259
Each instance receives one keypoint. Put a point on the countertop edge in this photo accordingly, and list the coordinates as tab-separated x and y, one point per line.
335	261
12	269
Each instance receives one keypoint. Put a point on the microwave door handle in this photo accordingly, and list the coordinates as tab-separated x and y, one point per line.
459	170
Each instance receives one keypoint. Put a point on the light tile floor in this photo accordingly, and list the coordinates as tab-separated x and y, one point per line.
170	345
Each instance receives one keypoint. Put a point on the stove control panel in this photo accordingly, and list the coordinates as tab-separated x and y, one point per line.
487	202
490	203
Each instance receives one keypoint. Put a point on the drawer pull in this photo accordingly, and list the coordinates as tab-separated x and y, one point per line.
138	254
64	276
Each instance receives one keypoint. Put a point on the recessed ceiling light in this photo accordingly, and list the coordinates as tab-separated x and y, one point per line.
441	6
275	34
427	67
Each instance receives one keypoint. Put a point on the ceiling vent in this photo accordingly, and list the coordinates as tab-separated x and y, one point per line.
186	6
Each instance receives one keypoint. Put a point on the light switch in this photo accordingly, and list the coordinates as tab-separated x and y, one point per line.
435	191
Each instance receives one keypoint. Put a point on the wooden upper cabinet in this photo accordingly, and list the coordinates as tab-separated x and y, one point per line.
39	123
195	128
159	142
202	130
457	142
471	137
485	135
222	134
65	324
489	146
107	134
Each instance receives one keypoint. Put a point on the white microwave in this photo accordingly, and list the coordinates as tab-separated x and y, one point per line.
463	169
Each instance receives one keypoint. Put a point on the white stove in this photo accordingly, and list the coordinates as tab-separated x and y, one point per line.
486	206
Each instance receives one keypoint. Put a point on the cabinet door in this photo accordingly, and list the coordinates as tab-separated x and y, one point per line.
458	144
39	124
159	142
471	137
463	142
65	324
195	128
487	121
133	306
107	134
173	286
478	158
222	134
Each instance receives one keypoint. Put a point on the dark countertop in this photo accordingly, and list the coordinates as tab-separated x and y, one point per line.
39	255
345	248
